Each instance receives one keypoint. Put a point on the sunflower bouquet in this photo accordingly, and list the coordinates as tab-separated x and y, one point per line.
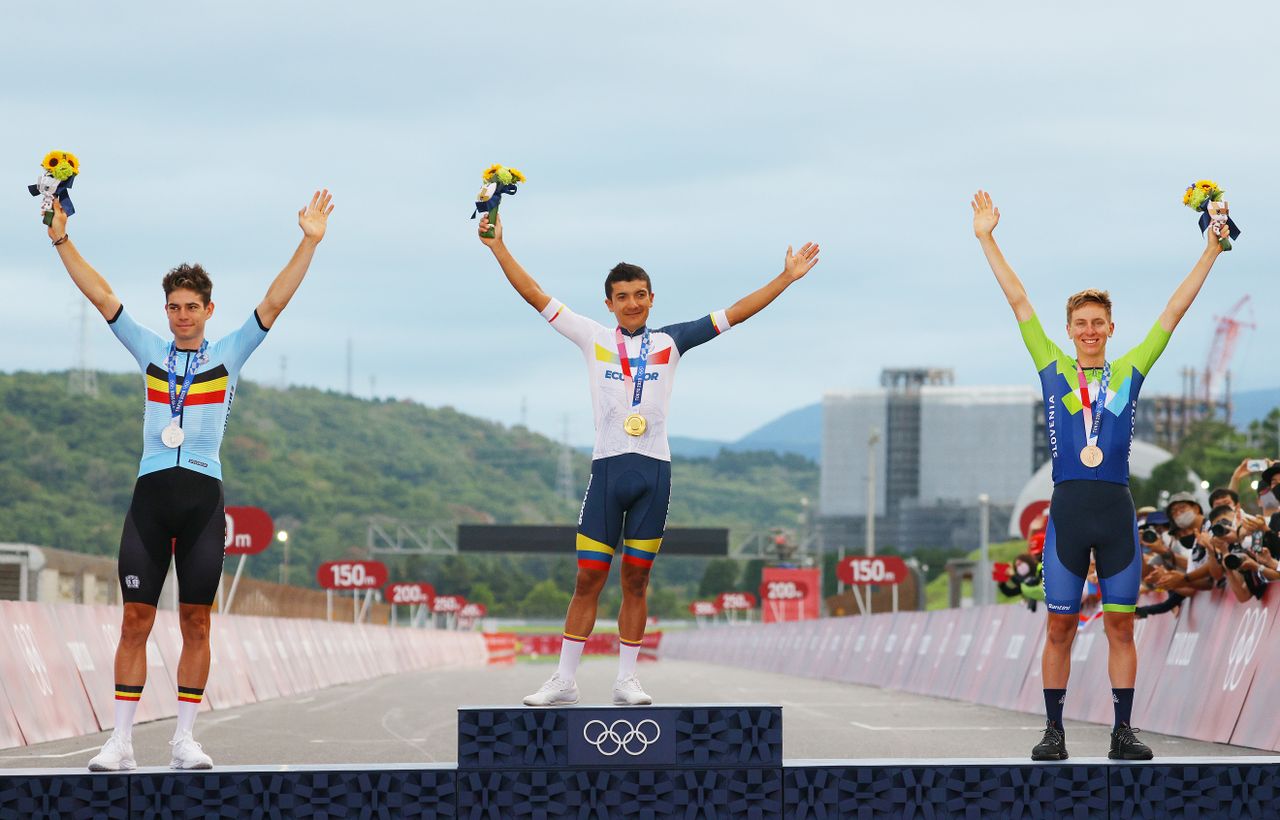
57	173
498	180
1205	197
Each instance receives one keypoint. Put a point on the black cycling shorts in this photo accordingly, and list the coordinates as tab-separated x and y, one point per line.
1091	520
175	514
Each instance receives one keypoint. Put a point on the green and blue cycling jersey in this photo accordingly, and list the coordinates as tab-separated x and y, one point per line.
1091	515
1063	408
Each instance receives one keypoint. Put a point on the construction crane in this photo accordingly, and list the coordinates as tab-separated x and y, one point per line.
1224	344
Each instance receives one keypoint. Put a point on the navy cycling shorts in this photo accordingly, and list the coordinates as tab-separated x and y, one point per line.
1097	518
627	498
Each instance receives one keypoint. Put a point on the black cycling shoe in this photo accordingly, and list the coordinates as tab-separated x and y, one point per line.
1054	744
1124	746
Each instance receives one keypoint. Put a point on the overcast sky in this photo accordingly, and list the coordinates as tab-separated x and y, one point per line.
697	140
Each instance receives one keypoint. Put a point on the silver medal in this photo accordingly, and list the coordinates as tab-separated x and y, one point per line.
172	435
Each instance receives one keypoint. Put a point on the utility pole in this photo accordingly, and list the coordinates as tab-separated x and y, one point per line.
284	372
564	475
982	582
82	381
872	440
350	389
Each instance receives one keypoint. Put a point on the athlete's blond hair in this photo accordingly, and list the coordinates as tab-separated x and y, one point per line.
1089	296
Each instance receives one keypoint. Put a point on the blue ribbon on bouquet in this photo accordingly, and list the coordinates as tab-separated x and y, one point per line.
492	202
61	193
1205	219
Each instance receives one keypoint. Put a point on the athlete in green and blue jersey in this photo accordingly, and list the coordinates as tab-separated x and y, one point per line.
1089	406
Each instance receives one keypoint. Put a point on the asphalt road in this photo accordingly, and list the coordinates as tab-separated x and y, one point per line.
411	718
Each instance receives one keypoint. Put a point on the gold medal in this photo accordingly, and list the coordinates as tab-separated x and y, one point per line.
635	425
1091	456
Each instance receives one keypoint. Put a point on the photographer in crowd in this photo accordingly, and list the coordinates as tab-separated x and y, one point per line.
1185	564
1023	578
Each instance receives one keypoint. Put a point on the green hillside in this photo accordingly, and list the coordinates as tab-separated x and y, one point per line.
323	463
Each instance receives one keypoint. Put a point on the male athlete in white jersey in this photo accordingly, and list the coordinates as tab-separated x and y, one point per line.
176	514
631	368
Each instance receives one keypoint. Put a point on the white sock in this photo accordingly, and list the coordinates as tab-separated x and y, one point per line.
627	656
186	718
570	654
125	710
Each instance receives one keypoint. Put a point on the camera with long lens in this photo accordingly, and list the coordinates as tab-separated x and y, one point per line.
1235	557
1220	530
1149	535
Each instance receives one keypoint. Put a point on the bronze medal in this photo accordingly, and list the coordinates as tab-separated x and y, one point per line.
1091	456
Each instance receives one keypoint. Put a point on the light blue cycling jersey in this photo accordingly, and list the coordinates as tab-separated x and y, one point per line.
208	404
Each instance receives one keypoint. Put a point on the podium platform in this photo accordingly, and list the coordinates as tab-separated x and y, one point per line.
687	761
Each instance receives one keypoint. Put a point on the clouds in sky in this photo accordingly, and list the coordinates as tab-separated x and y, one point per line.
697	140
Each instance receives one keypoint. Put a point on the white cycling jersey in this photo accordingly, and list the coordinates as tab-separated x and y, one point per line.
610	395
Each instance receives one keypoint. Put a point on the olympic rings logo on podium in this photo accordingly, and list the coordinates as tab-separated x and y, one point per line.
609	740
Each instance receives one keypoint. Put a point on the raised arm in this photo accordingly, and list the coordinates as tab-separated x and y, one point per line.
519	278
90	282
985	218
793	270
313	220
1186	293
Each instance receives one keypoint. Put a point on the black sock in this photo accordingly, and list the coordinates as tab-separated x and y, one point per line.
1053	700
1123	699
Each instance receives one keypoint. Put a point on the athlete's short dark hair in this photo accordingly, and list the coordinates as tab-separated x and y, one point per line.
1225	491
191	277
1221	510
625	272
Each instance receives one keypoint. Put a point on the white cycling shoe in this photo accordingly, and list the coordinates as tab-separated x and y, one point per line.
187	754
628	692
116	756
555	692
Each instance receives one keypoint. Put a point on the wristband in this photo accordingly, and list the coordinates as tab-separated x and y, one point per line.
58	242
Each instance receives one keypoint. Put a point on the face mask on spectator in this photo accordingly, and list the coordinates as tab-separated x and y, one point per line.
1187	541
1184	519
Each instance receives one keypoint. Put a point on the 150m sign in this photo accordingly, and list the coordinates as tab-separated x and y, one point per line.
351	575
880	569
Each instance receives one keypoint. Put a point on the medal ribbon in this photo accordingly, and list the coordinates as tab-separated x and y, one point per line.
176	399
635	382
1093	412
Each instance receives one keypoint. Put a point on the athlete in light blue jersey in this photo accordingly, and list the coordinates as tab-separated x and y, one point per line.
1089	405
177	509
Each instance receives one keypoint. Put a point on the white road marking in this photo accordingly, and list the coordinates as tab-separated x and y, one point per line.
50	757
871	728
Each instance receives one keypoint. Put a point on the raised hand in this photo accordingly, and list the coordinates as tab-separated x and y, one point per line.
314	218
496	239
985	215
798	264
58	228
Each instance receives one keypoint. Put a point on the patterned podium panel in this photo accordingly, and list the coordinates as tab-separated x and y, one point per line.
913	789
688	736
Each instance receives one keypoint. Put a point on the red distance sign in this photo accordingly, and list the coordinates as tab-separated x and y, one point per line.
411	594
784	590
448	604
704	608
880	569
729	601
351	575
472	610
249	530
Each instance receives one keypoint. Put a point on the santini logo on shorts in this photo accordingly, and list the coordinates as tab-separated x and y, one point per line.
1058	607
